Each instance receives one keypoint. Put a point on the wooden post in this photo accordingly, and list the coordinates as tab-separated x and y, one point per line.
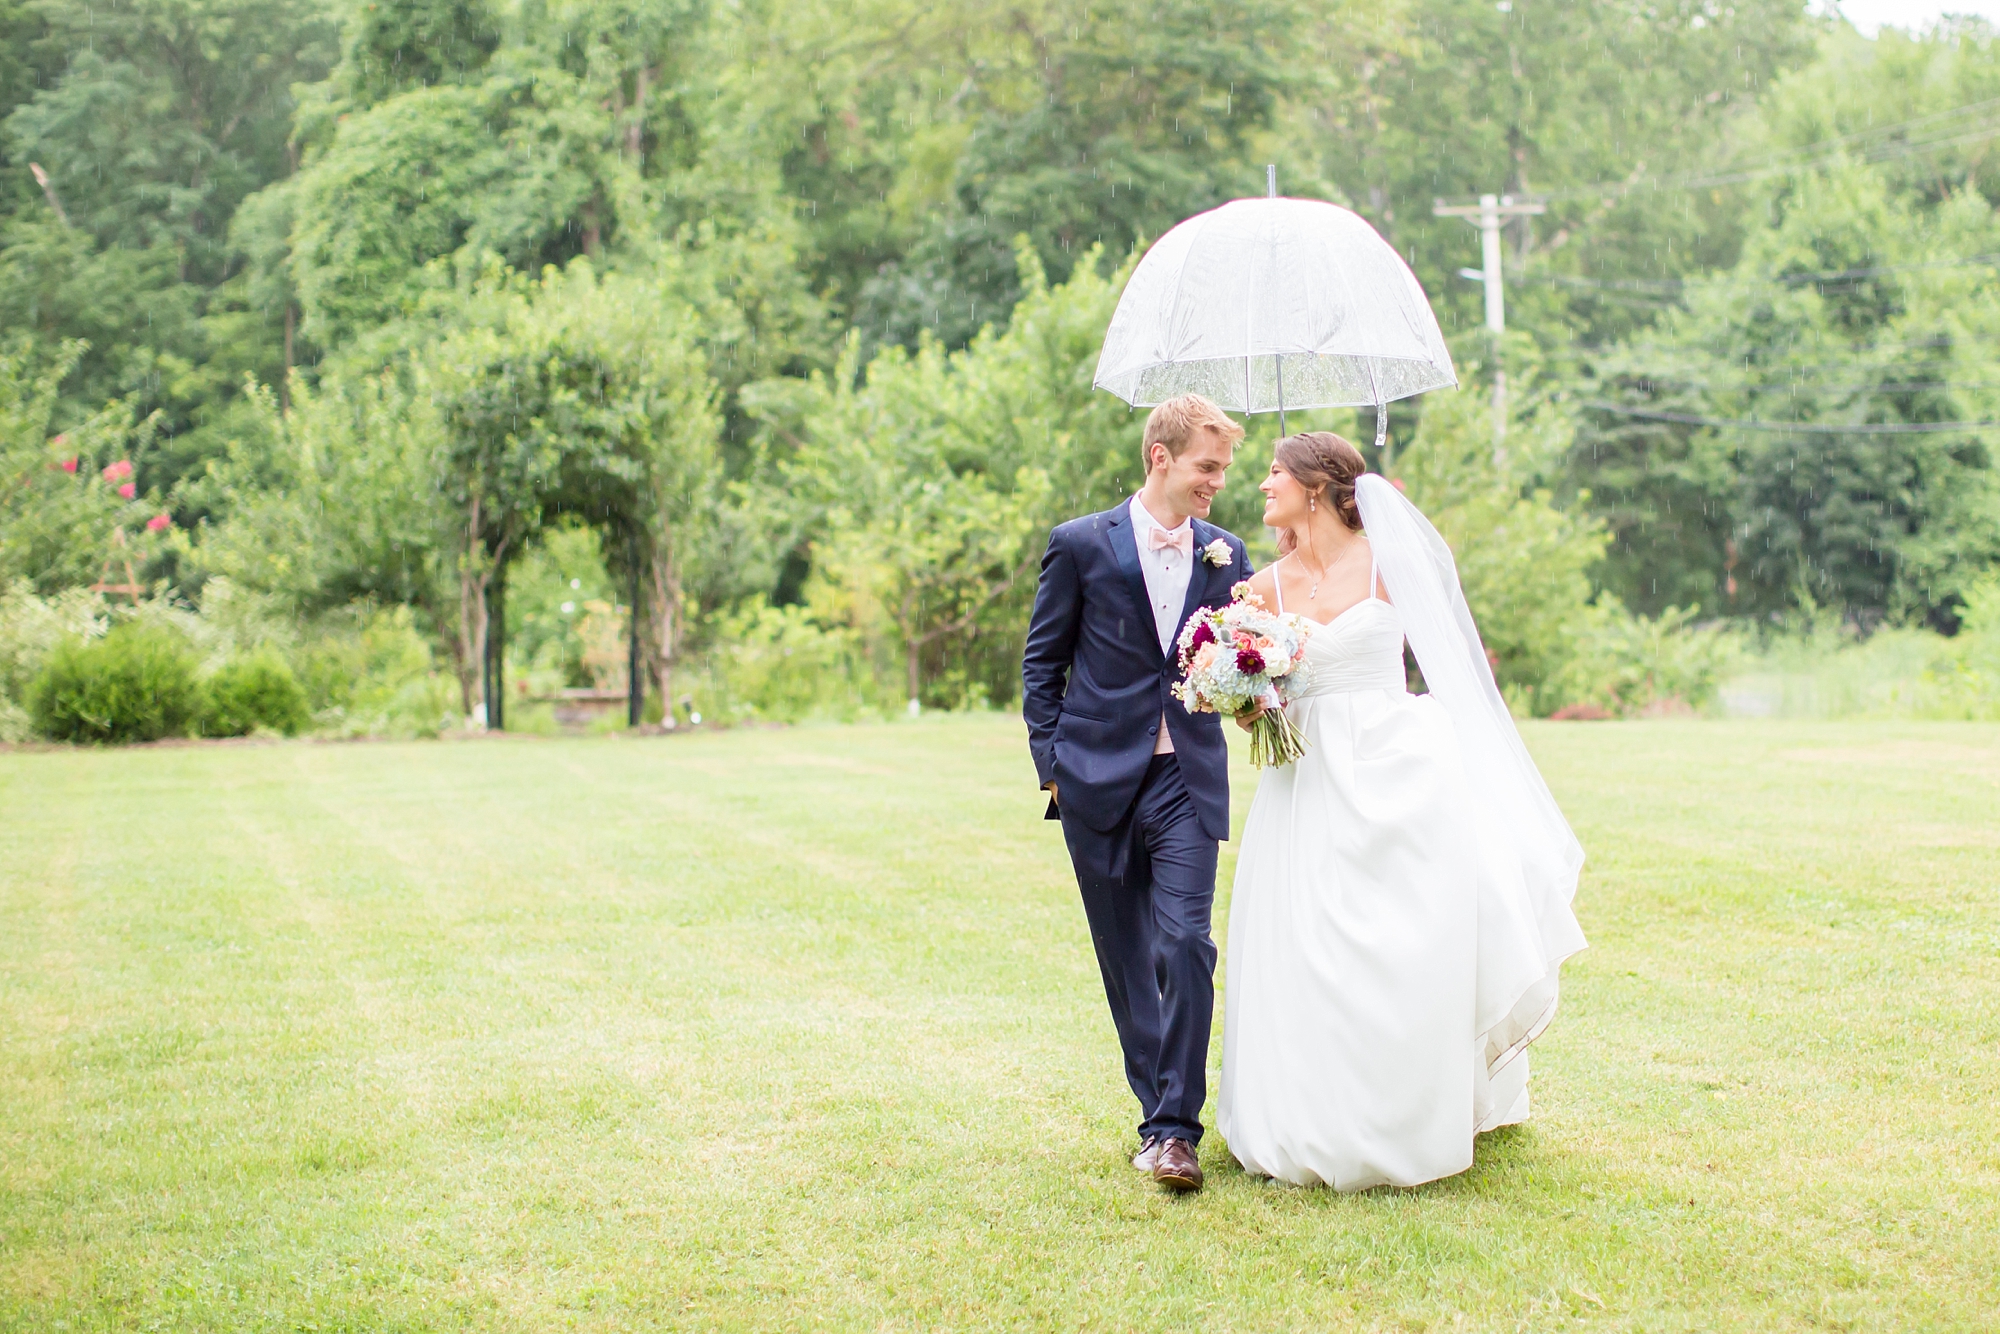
496	651
635	669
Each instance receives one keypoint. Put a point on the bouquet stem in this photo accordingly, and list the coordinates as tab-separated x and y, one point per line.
1275	739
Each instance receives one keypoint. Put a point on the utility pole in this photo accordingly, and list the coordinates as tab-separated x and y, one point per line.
1487	215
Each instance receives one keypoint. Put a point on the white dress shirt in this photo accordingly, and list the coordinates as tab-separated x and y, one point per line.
1167	571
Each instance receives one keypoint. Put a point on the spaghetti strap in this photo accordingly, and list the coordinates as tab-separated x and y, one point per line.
1278	583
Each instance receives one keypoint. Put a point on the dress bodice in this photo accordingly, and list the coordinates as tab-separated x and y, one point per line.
1360	649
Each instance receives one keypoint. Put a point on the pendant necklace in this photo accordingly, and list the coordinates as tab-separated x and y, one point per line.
1314	593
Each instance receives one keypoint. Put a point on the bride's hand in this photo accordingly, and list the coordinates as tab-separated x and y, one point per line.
1249	716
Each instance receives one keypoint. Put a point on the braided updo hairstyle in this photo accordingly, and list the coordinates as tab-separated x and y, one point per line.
1326	466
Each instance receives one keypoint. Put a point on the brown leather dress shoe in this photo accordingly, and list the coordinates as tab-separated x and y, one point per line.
1177	1168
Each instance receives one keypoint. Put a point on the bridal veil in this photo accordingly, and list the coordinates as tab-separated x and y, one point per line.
1526	924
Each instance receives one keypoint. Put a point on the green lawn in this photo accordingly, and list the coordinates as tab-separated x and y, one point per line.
800	1029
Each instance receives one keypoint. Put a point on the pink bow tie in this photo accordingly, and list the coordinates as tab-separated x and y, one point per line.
1180	539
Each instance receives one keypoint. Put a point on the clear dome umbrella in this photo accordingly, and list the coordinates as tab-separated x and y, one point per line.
1269	304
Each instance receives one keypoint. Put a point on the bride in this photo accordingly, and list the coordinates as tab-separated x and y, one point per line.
1402	900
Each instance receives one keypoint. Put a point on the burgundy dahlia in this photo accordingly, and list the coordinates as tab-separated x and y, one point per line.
1249	662
1204	633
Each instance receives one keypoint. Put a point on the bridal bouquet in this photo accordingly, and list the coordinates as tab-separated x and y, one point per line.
1241	655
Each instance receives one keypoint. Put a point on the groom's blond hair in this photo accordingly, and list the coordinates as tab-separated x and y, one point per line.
1175	422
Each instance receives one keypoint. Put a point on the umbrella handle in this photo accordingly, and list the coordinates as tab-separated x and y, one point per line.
1381	411
1278	364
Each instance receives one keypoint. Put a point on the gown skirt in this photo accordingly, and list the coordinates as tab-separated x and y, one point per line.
1376	939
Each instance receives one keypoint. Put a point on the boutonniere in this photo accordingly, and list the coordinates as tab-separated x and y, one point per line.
1217	553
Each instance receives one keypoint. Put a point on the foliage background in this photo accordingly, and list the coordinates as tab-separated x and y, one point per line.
770	327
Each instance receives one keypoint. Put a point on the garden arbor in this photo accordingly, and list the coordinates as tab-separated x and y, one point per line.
574	398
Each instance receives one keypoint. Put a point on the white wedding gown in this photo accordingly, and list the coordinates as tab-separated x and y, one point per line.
1388	962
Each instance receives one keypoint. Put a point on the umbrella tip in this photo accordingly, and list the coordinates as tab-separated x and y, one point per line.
1271	180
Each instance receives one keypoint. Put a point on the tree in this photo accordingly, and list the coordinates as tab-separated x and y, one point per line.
402	183
569	398
167	114
1591	102
580	397
151	123
333	501
1084	125
573	135
916	534
1788	437
393	48
933	482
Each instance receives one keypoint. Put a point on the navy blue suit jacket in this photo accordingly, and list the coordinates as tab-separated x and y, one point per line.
1094	681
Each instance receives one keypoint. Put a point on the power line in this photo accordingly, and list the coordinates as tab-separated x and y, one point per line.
1884	155
1874	270
1884	131
1772	164
1778	350
1799	428
1666	289
1885	387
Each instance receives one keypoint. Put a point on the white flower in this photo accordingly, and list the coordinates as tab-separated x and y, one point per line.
1217	553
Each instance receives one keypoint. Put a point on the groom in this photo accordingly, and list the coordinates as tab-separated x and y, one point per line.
1140	784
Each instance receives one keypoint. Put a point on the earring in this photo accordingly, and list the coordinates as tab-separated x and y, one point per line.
1312	504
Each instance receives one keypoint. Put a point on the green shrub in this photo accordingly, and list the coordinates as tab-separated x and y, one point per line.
1622	663
369	672
780	664
136	684
31	628
258	691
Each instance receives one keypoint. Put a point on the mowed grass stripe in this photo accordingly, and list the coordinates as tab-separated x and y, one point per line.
800	1028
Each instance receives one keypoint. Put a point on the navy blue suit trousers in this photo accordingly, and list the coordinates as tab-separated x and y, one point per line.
1150	925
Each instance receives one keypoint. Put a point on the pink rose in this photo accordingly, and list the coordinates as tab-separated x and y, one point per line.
69	465
118	471
129	490
157	522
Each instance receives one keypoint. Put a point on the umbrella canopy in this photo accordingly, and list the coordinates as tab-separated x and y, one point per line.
1269	304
